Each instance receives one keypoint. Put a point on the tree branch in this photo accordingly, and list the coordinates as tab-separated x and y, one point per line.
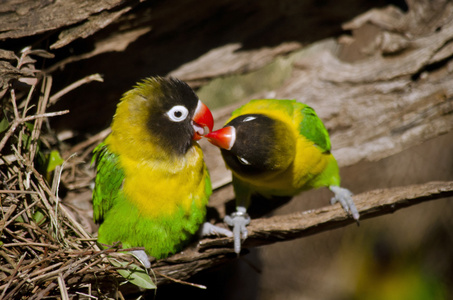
265	231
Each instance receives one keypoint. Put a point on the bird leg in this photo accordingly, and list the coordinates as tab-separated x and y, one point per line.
344	196
238	220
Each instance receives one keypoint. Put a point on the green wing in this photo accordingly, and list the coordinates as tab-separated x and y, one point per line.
313	129
109	179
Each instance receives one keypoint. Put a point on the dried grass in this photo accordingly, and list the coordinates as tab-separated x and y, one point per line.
45	252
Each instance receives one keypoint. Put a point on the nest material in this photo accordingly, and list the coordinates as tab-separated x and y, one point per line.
44	251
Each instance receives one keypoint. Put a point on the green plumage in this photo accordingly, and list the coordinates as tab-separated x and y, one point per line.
109	178
312	128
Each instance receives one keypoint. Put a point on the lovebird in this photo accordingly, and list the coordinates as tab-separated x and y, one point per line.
276	149
152	185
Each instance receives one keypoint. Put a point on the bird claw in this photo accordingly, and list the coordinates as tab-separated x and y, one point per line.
239	221
344	196
208	229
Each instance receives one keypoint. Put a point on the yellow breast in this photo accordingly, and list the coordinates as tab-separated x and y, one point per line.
157	183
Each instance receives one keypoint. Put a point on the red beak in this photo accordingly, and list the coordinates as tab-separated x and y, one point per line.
223	138
202	119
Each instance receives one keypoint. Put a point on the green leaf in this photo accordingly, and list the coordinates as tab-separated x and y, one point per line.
53	160
29	126
4	124
19	219
39	217
134	274
26	140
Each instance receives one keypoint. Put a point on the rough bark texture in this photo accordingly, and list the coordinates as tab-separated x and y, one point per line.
84	18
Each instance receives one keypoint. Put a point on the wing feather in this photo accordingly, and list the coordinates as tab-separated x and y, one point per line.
108	182
313	129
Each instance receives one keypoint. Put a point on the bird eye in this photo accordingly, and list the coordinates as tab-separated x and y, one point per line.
178	113
243	161
246	119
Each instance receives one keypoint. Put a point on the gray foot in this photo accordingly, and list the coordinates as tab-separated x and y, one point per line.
238	220
208	229
344	196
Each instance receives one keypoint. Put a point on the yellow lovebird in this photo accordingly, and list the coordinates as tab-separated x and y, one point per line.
276	149
152	185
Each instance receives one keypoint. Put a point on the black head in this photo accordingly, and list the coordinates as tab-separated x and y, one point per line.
171	107
261	145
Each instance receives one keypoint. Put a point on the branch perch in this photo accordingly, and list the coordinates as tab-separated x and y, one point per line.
212	252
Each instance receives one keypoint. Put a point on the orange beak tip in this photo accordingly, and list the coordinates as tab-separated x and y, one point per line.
223	138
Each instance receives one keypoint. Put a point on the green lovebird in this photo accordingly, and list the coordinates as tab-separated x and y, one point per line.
152	185
277	149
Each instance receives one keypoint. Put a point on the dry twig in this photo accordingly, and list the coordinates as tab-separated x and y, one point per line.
40	239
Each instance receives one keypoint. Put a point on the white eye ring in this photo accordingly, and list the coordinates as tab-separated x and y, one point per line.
178	113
